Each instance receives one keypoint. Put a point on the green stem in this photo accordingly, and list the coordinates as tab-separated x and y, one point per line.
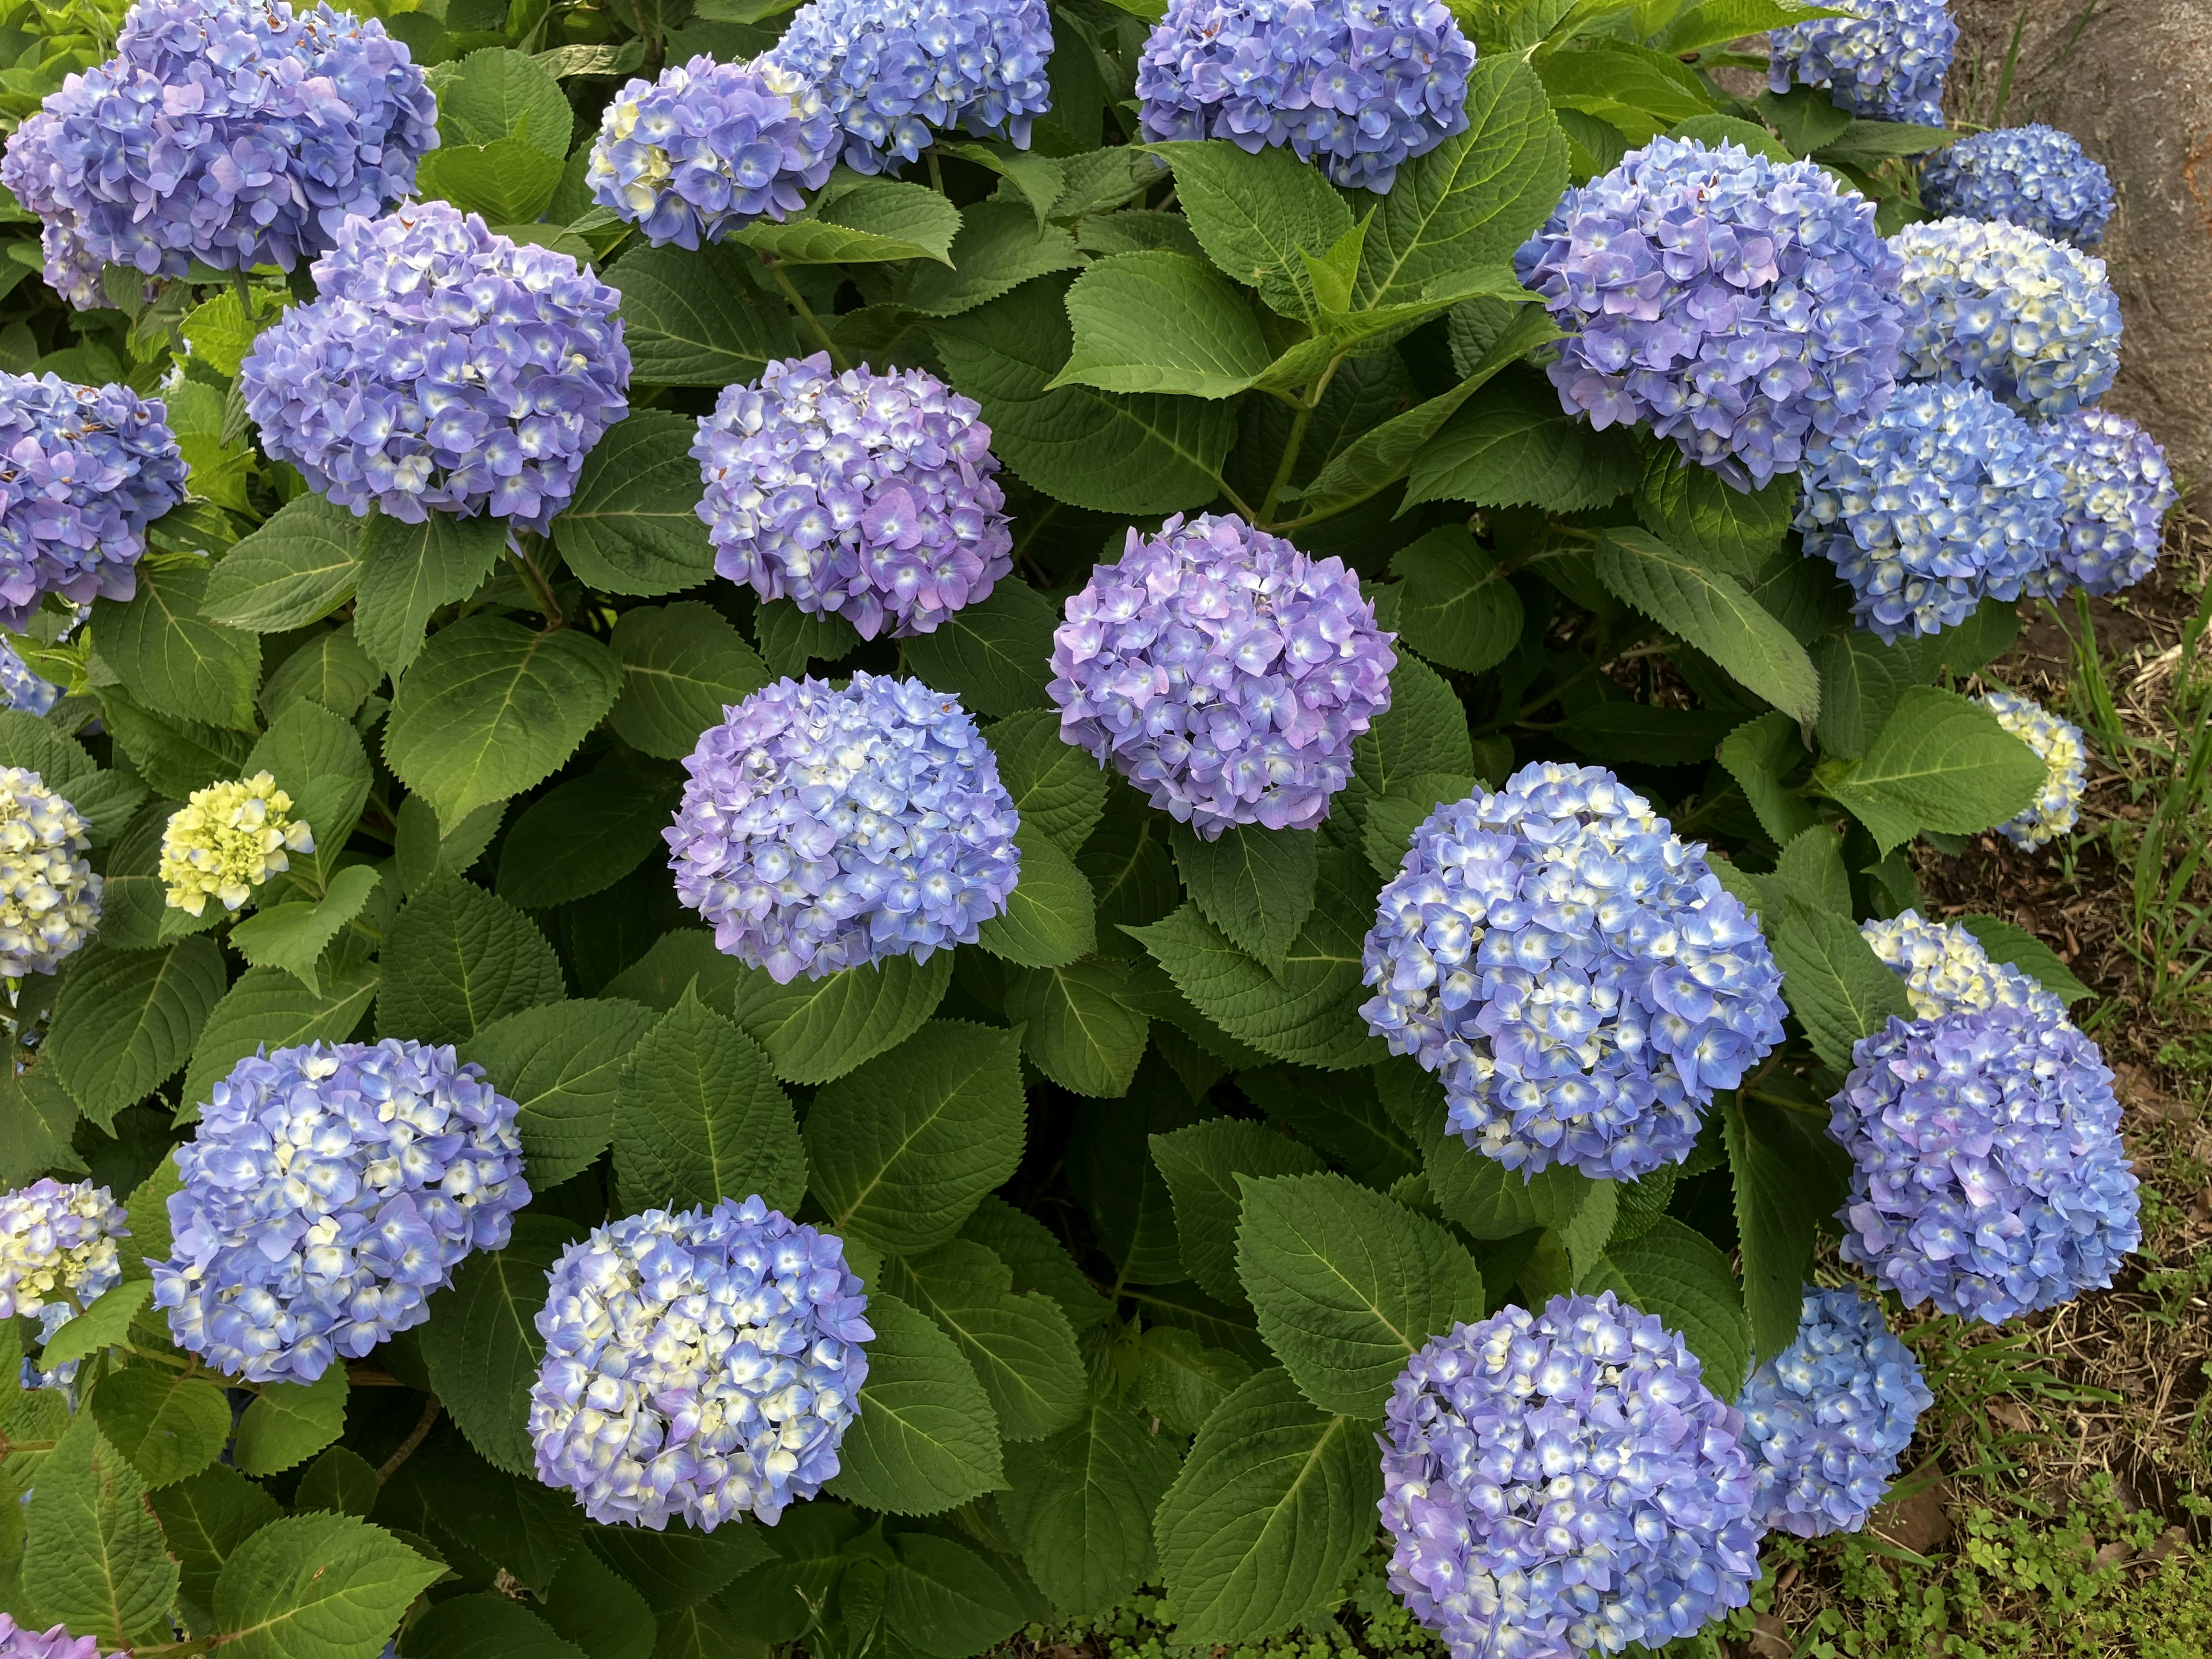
1296	441
415	1438
936	172
790	291
534	579
244	292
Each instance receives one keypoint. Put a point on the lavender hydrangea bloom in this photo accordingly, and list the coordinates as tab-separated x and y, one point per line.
1747	309
2117	490
1948	499
702	1365
864	495
58	1255
1359	86
1945	970
48	895
2033	176
235	132
21	689
22	1642
1886	61
328	1191
441	366
1826	1422
1224	672
1573	971
821	828
83	470
2057	807
71	269
1562	1483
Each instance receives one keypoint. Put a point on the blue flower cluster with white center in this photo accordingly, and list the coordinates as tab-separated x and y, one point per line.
1886	61
1564	1483
703	1367
1573	971
1359	86
2034	176
710	147
1826	1423
58	1255
20	687
821	829
2057	807
22	1642
48	895
83	470
1948	499
235	132
2033	319
2117	489
890	71
1945	970
873	497
328	1191
441	366
1224	672
1747	309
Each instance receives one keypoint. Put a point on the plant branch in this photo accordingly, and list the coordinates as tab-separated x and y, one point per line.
542	590
1295	442
790	292
415	1436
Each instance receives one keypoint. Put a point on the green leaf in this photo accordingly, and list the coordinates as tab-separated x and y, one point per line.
1255	215
1683	1277
1716	22
330	671
695	318
1458	607
1036	179
1051	916
206	1518
1181	1381
170	656
487	1626
1022	1348
1692	508
1039	1262
293	937
499	93
288	1423
1714	130
92	1556
1341	1113
1162	322
680	1566
708	1630
945	1601
316	758
861	223
28	742
1201	1164
509	181
103	1324
1761	755
342	1481
704	1118
1000	246
682	666
1806	117
456	959
925	1439
1110	1168
317	1586
1979	640
1775	1222
268	1005
633	525
2022	950
1079	1506
1712	612
220	332
296	569
1255	885
148	1208
1941	763
791	638
1634	732
409	570
995	653
1869	144
426	854
591	1605
561	1065
1835	984
1075	1026
1059	790
1813	864
583	836
482	1344
1639	92
820	1029
175	755
124	1021
1517	446
1861	681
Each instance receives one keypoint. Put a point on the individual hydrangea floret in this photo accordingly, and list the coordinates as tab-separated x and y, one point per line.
328	1191
873	497
20	687
2033	320
2057	807
700	1366
888	71
1886	61
2116	490
1573	971
232	132
2033	176
1946	970
822	828
20	1642
48	895
83	470
1224	672
441	366
1563	1483
1826	1422
1948	499
1357	86
710	147
228	839
1746	308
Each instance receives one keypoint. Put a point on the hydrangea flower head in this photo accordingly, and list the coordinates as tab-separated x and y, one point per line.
2033	320
1573	971
71	269
1224	672
329	1191
890	71
710	147
821	828
235	132
57	1256
20	1642
2116	490
2057	807
870	496
1886	61
1745	307
2033	176
228	839
48	895
1358	86
1948	499
83	470
441	366
20	687
1946	970
702	1365
1561	1483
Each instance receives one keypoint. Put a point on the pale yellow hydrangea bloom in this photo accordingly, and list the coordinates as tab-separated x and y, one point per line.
48	895
228	840
57	1242
1945	970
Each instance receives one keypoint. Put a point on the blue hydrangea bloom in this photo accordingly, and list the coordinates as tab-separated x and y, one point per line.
702	1365
22	1642
57	1256
235	132
821	827
328	1191
2034	176
1886	61
2116	490
1563	1483
710	147
2057	807
1224	672
1948	499
21	689
1358	86
441	366
1945	969
2032	320
1746	308
890	71
870	496
71	269
49	895
1573	971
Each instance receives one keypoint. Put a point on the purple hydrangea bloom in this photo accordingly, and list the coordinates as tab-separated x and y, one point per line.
1562	1483
2033	176
1886	61
1746	308
1948	499
710	147
83	470
71	269
821	828
1826	1423
20	1642
328	1191
870	496
2057	743
1224	672
1573	971
1358	86
235	132
702	1365
21	689
2116	490
889	70
441	366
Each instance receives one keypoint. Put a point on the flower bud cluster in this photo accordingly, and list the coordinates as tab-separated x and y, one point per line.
48	895
228	839
1886	61
2117	489
2057	807
2033	176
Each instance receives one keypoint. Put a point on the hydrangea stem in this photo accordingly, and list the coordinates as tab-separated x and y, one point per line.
790	290
1295	442
534	579
415	1436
